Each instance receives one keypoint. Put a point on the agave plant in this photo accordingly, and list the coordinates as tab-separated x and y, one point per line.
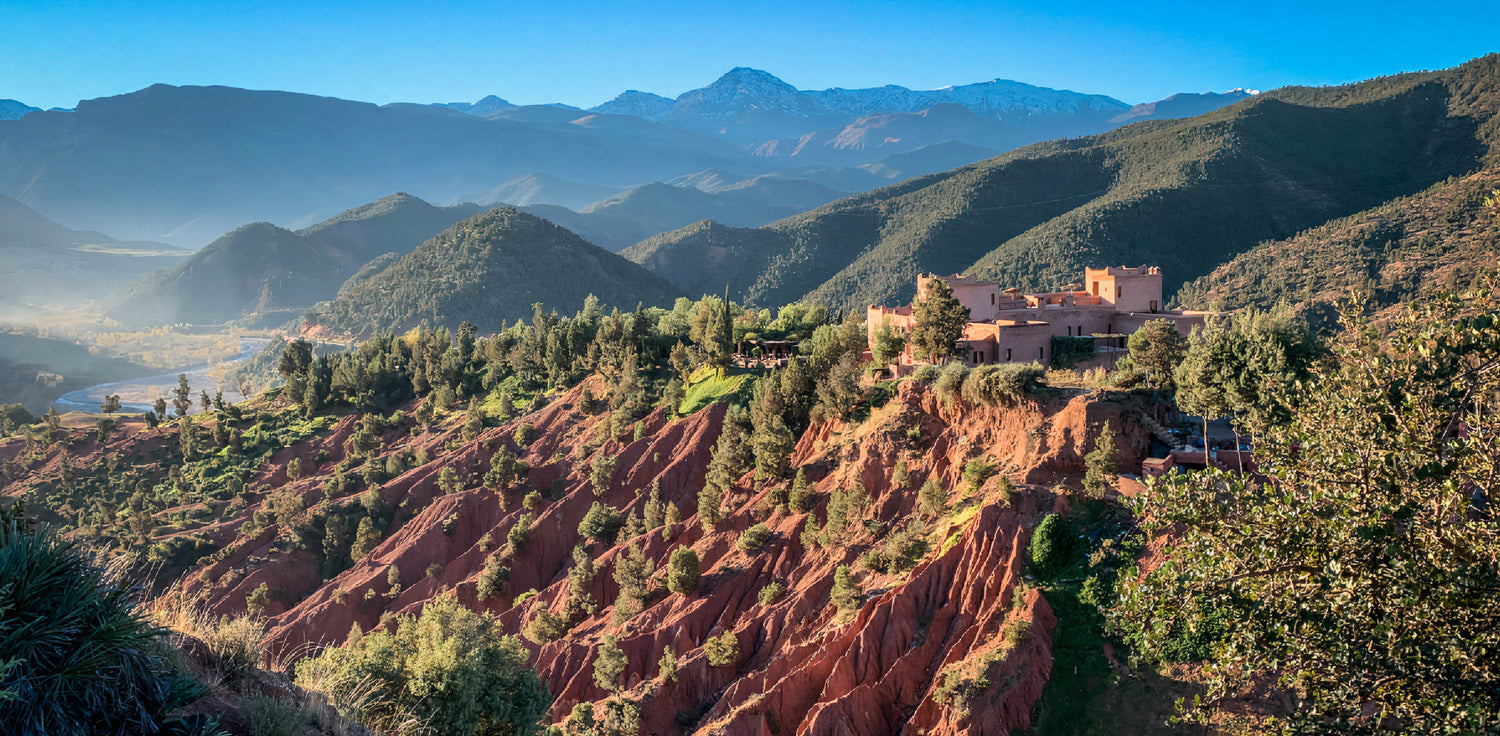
76	654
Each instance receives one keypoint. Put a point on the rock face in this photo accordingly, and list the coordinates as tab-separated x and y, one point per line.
954	643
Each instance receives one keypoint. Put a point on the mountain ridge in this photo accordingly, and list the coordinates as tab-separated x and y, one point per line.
1263	168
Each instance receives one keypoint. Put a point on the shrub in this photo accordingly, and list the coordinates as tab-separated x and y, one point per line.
76	654
667	665
601	523
752	539
235	645
1051	548
270	715
520	533
960	683
682	571
545	627
450	667
1002	384
932	499
493	580
949	382
722	650
925	374
900	552
976	472
524	435
771	593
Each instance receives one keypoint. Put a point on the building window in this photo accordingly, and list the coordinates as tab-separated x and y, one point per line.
1039	355
1070	332
992	300
1110	329
1119	291
1007	355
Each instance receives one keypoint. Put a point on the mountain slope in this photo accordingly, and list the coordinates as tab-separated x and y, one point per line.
262	268
489	269
1439	238
537	188
1186	194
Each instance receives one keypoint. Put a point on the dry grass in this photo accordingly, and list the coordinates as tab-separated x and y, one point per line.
234	644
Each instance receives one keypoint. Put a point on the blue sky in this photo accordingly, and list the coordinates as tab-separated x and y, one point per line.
56	52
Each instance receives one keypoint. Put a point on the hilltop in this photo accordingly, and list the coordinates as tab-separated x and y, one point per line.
1191	193
488	269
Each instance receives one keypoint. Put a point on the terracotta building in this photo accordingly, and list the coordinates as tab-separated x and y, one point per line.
1011	327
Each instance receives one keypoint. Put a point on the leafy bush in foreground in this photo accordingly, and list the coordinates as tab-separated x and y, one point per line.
449	667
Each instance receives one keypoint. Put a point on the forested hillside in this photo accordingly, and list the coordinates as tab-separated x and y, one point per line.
487	270
261	268
1391	253
1185	194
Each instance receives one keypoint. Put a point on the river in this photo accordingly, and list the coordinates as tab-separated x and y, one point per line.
137	395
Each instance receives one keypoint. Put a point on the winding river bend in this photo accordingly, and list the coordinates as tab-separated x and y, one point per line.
138	394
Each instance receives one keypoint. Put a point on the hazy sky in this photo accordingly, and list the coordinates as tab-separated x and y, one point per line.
56	52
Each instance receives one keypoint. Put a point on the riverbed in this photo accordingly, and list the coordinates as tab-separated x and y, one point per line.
137	395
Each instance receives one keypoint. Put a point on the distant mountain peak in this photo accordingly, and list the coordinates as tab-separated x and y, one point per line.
744	75
487	105
13	109
635	102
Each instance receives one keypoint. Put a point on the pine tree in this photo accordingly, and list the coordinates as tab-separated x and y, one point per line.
632	573
655	509
580	578
1101	465
938	322
728	463
667	665
366	539
682	571
801	496
846	594
932	498
609	663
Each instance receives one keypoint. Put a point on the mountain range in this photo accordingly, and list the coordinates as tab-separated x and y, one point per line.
184	165
1186	194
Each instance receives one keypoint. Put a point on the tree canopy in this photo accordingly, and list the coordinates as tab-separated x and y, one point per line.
1364	571
938	322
